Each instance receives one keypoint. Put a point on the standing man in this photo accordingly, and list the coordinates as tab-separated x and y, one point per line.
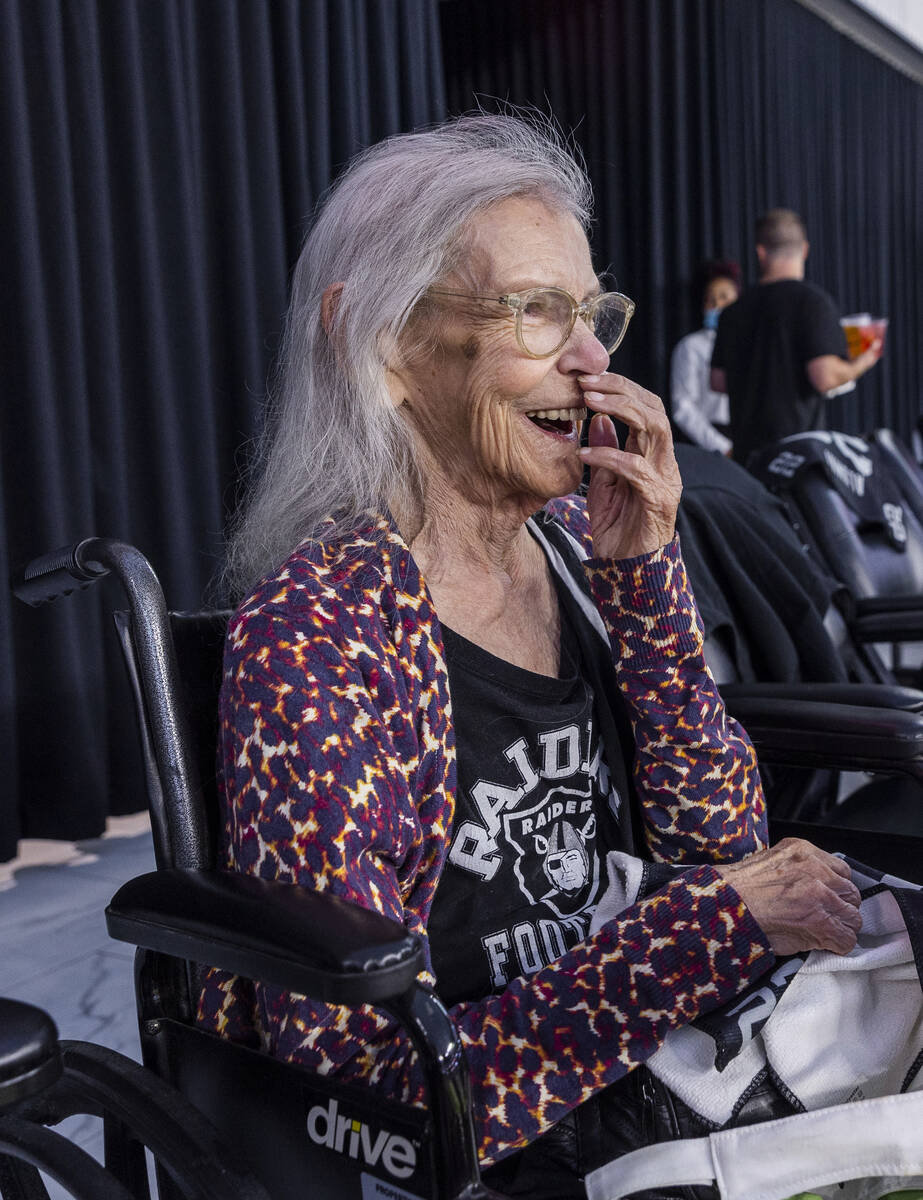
780	349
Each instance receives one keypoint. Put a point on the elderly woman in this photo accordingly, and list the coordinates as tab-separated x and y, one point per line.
450	691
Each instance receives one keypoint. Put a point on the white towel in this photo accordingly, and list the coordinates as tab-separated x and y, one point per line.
829	1029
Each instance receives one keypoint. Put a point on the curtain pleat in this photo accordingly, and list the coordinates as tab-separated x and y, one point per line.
162	161
696	115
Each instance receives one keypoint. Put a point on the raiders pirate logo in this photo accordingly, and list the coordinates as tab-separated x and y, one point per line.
556	862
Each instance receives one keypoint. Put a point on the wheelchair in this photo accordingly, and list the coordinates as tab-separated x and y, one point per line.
302	1134
43	1081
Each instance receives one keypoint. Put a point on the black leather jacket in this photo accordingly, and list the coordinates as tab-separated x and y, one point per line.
636	1111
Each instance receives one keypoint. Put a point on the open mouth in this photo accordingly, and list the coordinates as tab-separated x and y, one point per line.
561	421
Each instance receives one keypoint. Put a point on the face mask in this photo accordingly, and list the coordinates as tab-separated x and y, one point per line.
710	320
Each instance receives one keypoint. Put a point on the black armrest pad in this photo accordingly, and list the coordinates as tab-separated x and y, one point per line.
864	695
843	736
868	605
876	623
279	933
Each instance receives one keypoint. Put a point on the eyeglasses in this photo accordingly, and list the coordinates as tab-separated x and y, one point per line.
546	316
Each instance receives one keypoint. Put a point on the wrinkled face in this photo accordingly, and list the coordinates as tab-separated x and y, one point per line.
497	424
720	293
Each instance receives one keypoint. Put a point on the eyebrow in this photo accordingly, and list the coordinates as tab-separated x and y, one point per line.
527	284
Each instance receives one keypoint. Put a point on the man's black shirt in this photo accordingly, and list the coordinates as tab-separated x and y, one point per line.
764	343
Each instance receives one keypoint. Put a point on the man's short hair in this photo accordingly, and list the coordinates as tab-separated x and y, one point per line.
780	231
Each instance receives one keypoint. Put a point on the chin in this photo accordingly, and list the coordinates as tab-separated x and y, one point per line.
558	479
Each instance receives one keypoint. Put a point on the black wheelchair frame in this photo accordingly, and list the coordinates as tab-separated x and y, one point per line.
302	1134
186	914
43	1081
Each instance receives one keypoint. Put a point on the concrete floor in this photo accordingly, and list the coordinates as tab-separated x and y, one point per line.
54	948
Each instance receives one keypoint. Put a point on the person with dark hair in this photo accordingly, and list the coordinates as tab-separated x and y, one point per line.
780	350
700	413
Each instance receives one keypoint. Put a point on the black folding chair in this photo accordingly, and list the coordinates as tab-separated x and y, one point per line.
784	658
859	503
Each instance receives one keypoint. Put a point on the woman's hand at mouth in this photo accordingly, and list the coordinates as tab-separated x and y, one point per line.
634	491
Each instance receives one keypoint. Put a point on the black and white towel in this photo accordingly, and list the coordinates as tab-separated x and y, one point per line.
827	1028
853	466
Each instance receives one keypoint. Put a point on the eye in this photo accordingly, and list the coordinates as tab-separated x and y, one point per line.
549	307
540	307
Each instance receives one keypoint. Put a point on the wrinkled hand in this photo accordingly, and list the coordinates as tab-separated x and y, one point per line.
634	491
801	896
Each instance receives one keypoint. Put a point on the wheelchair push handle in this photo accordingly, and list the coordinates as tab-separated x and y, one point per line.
60	572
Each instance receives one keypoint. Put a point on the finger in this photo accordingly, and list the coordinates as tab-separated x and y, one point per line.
842	942
852	918
648	430
612	384
630	409
622	463
602	432
836	864
848	892
845	937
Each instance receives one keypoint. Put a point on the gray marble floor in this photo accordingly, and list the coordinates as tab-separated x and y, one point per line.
54	948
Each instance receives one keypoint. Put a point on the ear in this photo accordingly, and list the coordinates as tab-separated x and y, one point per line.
806	251
398	376
761	256
397	388
329	303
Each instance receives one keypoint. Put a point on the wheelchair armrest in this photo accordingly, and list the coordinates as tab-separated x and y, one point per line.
888	619
864	695
307	942
841	736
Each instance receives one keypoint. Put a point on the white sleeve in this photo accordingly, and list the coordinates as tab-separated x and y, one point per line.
686	383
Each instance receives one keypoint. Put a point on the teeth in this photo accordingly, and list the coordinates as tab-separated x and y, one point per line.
559	414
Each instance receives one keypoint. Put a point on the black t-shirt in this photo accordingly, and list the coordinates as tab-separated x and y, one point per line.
764	343
540	800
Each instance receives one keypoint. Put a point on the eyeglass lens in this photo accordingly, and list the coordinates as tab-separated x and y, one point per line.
547	318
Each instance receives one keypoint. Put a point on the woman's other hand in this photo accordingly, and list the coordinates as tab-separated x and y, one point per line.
802	897
634	491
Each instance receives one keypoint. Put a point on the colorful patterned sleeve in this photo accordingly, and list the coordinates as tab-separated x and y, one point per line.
695	767
339	773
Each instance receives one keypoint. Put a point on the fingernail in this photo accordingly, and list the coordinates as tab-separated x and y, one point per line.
588	378
597	396
584	451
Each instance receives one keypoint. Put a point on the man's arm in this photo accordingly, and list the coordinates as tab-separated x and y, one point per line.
829	371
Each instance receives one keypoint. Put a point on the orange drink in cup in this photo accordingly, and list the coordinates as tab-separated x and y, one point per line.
861	330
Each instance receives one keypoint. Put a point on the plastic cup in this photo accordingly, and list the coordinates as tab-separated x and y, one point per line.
861	331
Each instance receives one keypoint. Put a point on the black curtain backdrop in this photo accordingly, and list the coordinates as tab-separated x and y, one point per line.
696	115
161	162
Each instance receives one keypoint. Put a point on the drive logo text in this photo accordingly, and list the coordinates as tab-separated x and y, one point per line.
346	1135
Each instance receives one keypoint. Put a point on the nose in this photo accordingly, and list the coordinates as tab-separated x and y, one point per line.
583	352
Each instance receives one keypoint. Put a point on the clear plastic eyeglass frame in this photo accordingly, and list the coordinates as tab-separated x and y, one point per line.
585	310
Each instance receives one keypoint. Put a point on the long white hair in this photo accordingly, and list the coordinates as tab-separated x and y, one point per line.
334	445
